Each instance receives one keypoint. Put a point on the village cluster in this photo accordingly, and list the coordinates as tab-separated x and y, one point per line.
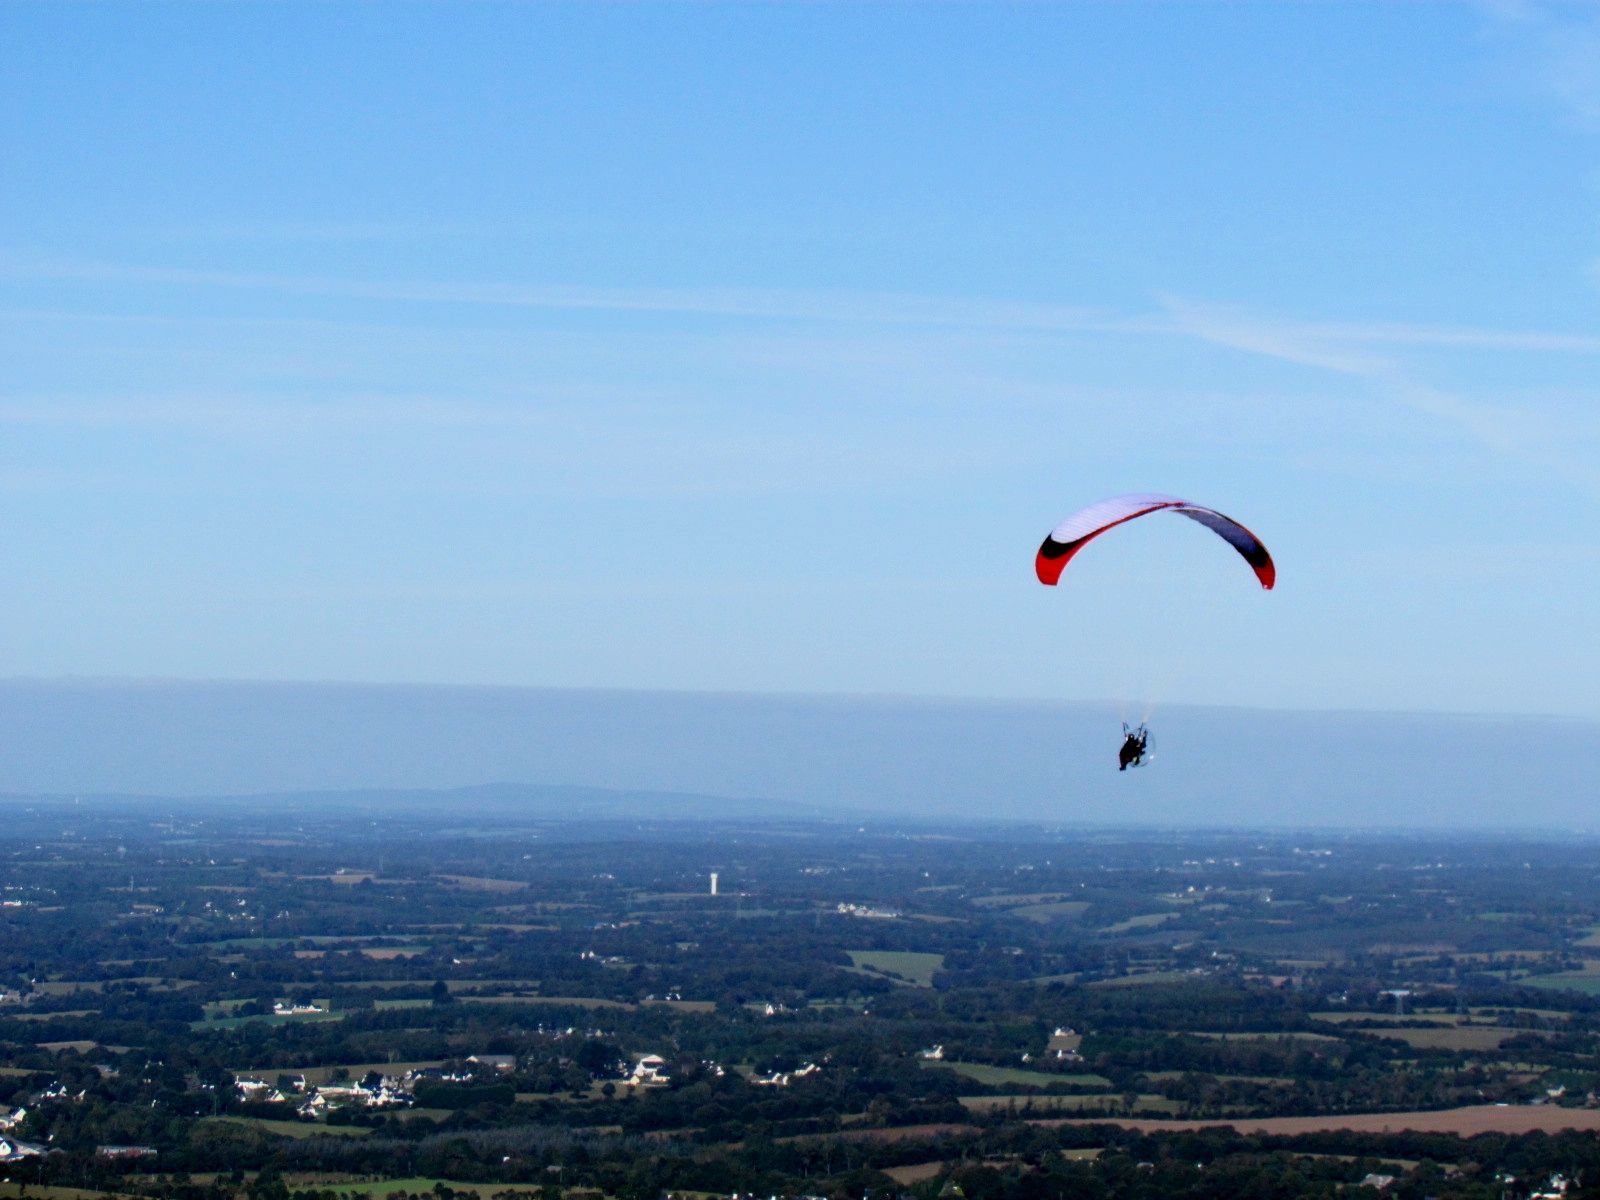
375	1089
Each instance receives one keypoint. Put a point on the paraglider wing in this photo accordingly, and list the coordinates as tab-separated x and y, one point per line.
1083	526
1249	546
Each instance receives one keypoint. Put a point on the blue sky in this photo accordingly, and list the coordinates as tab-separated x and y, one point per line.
757	346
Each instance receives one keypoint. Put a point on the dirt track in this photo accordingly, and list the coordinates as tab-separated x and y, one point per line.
1480	1118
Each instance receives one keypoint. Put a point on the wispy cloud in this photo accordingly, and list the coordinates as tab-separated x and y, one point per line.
755	303
1301	344
316	232
1555	48
1335	345
1554	51
1517	433
1370	352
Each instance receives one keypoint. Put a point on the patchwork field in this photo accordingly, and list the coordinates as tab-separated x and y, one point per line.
1061	910
1141	979
1469	1038
915	1172
417	1187
1465	1122
1345	1017
1016	1076
917	968
294	1129
1586	981
1146	1102
1148	921
550	954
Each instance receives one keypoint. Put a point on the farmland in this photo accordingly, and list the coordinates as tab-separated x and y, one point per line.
902	964
230	1000
1016	1077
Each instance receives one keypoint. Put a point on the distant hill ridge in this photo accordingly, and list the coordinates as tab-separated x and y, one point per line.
498	801
797	755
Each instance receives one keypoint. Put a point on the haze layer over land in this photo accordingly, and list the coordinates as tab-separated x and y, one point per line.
822	755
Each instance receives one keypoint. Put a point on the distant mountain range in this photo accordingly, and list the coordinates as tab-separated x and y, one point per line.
621	754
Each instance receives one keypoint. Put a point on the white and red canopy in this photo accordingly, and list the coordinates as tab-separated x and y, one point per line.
1083	526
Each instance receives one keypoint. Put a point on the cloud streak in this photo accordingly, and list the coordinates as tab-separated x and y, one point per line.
1519	434
1368	352
753	303
1321	344
1557	48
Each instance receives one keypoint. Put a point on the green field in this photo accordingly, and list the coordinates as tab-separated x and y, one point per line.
1585	981
1345	1017
389	1187
1146	1105
66	987
1016	899
1015	1076
1148	921
294	1129
263	1019
1052	912
572	1001
1468	1038
911	965
1142	979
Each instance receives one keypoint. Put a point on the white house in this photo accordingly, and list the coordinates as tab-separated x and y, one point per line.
282	1009
649	1071
12	1150
785	1078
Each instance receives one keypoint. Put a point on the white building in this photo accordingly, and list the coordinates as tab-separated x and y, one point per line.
282	1009
12	1150
785	1078
385	1092
649	1071
867	911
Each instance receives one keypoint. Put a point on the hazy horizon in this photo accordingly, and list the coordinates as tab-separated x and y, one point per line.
826	754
